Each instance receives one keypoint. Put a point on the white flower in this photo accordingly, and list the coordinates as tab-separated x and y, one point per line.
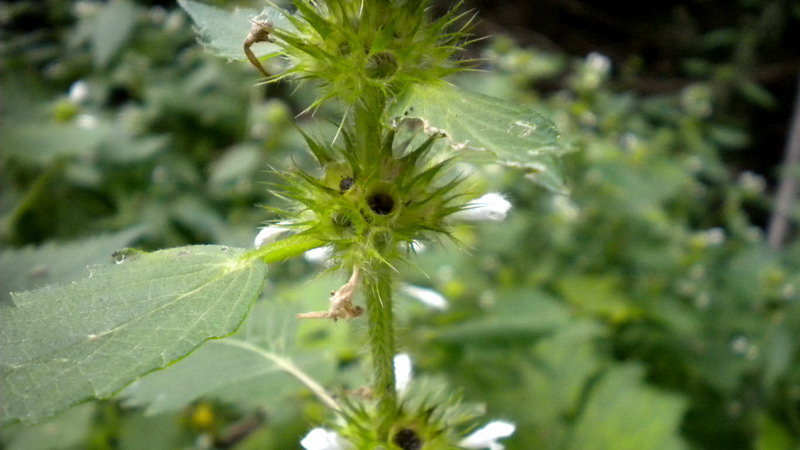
319	255
493	207
269	234
402	371
86	121
598	63
322	439
752	183
79	91
487	436
428	297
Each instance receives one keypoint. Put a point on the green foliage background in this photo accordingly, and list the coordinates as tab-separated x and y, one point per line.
642	310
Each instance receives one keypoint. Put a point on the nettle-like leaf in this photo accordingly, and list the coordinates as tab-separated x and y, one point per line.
251	368
64	344
500	131
224	32
58	262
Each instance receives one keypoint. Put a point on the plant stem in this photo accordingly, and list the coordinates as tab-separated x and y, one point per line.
378	293
367	114
284	249
790	180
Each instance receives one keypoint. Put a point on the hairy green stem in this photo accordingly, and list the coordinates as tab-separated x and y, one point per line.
284	249
378	292
367	114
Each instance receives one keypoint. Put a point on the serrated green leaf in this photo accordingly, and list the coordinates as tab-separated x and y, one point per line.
564	364
224	32
68	343
501	131
624	413
58	262
252	368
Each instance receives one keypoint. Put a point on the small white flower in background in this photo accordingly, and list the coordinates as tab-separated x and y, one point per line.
426	296
403	371
79	92
752	183
714	236
269	234
86	121
599	63
322	439
487	436
492	207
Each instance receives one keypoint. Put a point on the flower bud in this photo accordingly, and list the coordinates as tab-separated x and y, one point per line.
268	234
320	255
487	436
429	297
322	439
402	371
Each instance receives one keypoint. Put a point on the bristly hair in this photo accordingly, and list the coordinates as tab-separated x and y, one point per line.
384	208
345	48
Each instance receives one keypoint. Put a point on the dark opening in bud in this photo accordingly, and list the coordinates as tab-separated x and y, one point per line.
380	203
408	440
381	66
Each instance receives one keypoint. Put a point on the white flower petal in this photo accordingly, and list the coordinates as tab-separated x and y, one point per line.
490	207
428	297
487	436
322	439
403	371
268	234
319	255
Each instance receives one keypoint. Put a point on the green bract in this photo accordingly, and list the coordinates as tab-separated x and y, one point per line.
374	207
352	47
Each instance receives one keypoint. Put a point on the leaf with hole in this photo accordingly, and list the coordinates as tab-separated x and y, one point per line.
496	130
